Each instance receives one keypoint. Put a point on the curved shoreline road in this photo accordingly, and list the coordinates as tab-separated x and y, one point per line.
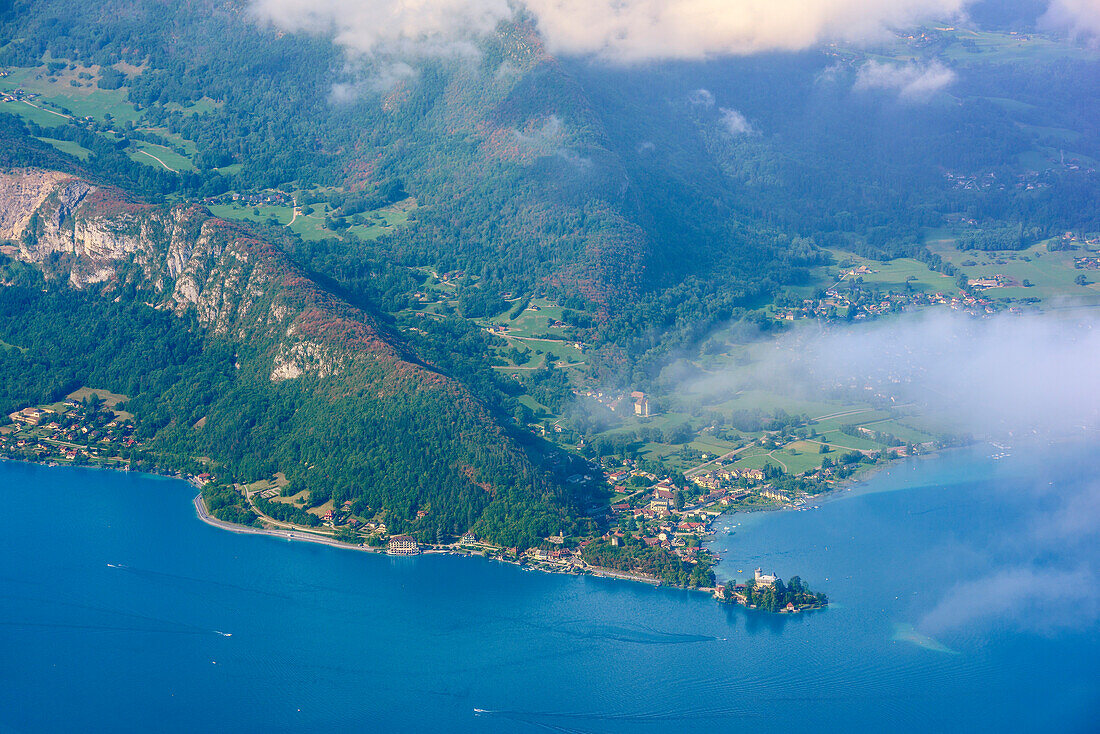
206	517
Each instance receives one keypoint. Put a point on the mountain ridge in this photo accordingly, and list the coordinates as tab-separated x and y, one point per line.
241	288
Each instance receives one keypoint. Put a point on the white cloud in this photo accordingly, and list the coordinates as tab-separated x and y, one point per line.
1079	17
391	32
637	30
621	30
999	376
733	122
912	81
701	98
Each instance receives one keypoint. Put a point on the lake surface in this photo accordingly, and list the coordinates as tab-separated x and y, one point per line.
964	589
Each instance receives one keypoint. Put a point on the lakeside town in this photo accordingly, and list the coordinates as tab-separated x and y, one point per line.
682	534
653	530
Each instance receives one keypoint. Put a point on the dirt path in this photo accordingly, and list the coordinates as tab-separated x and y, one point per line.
158	160
32	104
771	455
560	366
295	210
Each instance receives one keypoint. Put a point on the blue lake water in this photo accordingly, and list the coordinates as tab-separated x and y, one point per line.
964	589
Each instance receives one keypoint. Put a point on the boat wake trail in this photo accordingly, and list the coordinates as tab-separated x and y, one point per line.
633	634
174	577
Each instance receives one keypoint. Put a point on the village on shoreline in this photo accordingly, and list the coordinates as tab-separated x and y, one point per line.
654	528
765	591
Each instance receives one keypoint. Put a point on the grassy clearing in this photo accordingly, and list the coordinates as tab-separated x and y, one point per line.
536	407
110	399
857	416
322	510
281	214
189	147
36	115
71	147
533	322
985	46
837	439
385	220
68	92
794	458
769	402
892	275
160	157
1051	273
199	107
312	226
297	499
711	445
900	430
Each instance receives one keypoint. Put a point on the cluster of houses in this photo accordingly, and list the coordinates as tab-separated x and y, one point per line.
1030	180
1073	240
268	197
992	281
71	433
16	95
31	416
835	300
725	477
632	403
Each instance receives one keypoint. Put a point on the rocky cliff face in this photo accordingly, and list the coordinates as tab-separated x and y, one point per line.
183	259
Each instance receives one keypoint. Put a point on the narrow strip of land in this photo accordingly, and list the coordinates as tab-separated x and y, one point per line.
206	517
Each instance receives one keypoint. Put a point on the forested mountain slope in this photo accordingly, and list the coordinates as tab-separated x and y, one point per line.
286	377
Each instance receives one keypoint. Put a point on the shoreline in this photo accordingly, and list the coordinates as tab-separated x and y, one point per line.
303	535
595	571
203	514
